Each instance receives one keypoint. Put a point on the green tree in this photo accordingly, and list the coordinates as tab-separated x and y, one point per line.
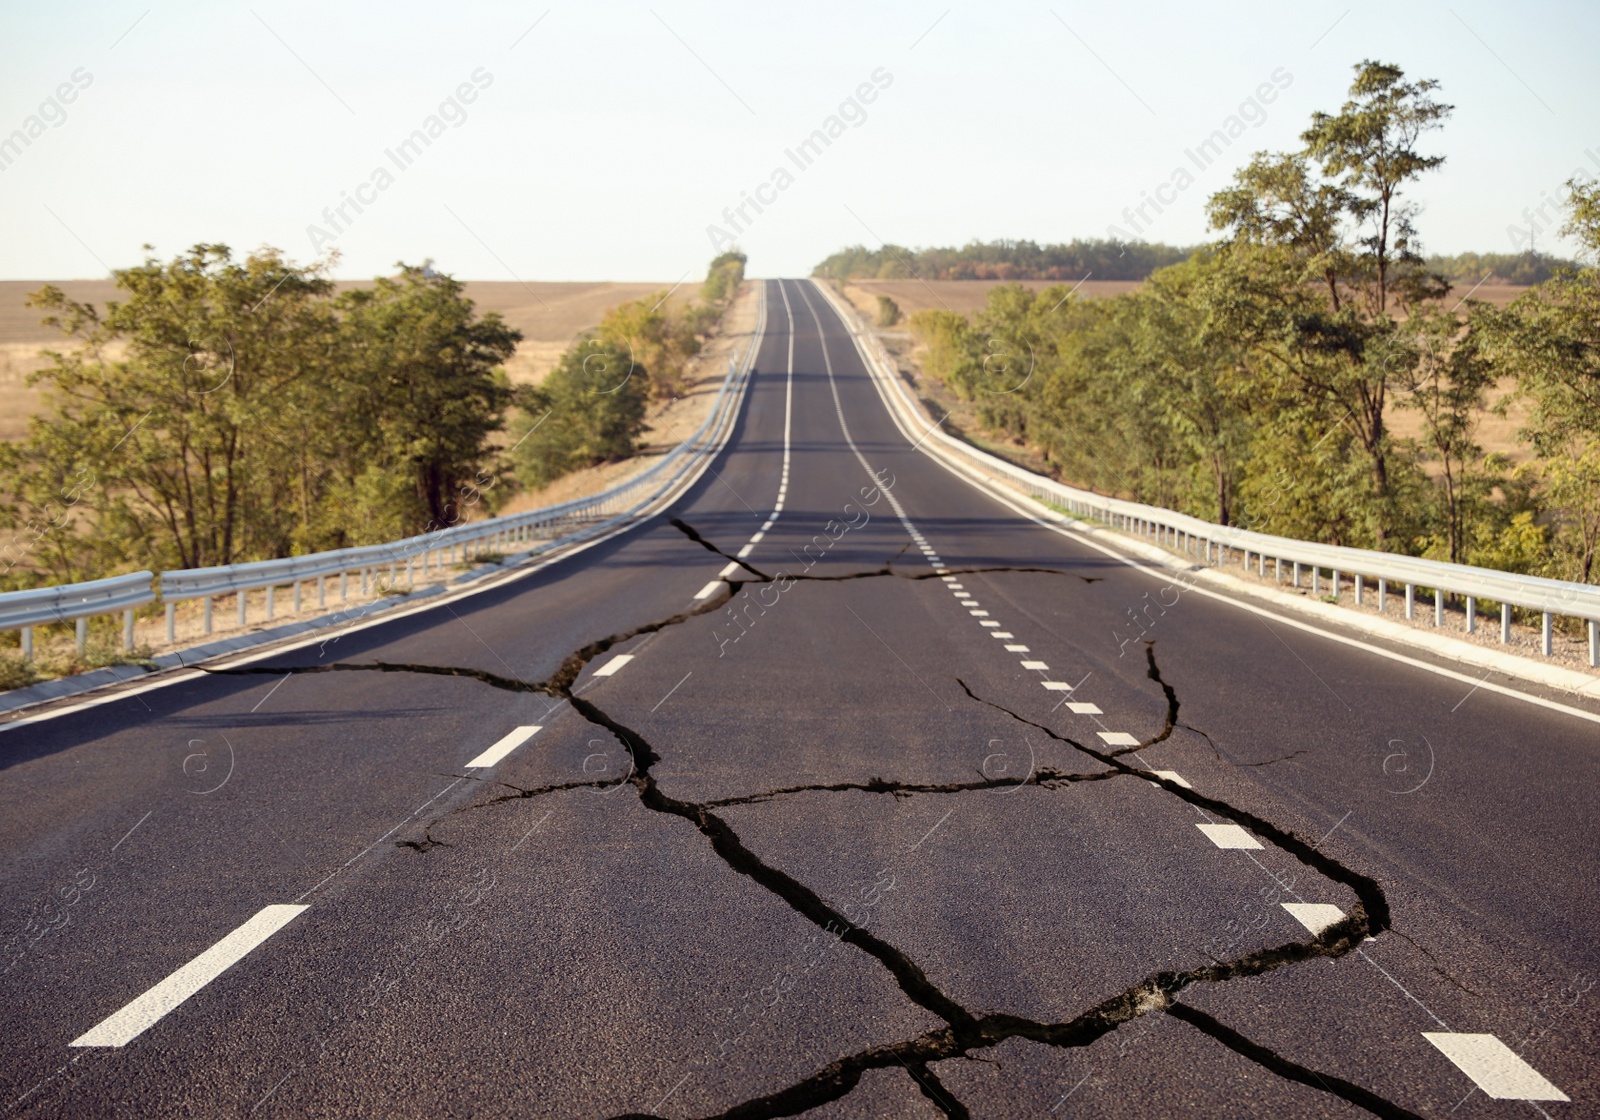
888	312
1447	382
654	337
589	410
1320	269
172	421
723	277
421	392
1549	340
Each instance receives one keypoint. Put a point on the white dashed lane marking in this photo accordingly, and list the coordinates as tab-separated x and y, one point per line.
1228	836
613	665
507	743
709	589
1315	916
745	551
1494	1067
146	1011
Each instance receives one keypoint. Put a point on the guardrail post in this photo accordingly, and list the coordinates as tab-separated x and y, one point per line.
1316	580
207	611
127	629
344	586
1358	589
1383	593
1438	606
296	596
83	633
1505	623
1277	569
1594	644
1472	615
1544	634
410	579
322	591
172	629
1336	583
270	604
27	643
1411	598
243	597
364	572
1261	564
1297	573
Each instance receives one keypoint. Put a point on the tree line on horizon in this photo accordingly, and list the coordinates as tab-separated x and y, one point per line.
1119	260
225	411
1255	382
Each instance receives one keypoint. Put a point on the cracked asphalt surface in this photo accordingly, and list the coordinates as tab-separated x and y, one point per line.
899	819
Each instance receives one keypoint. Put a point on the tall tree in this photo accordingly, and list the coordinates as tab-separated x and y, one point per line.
173	403
1549	339
423	382
1325	266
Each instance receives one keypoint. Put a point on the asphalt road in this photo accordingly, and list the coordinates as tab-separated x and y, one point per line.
928	818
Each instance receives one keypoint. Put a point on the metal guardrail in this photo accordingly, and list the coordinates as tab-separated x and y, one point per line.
23	610
1217	544
383	567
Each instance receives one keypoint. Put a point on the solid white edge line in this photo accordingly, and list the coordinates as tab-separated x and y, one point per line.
504	746
122	1027
993	490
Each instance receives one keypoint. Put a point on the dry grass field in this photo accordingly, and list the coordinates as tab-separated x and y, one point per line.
549	315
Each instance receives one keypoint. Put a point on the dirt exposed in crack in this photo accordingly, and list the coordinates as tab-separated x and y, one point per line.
965	1031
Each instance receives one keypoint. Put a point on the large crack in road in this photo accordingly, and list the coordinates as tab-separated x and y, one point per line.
965	1032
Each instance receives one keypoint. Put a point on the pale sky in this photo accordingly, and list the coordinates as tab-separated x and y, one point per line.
603	139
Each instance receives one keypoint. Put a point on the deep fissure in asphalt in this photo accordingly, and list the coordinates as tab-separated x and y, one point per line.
965	1031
